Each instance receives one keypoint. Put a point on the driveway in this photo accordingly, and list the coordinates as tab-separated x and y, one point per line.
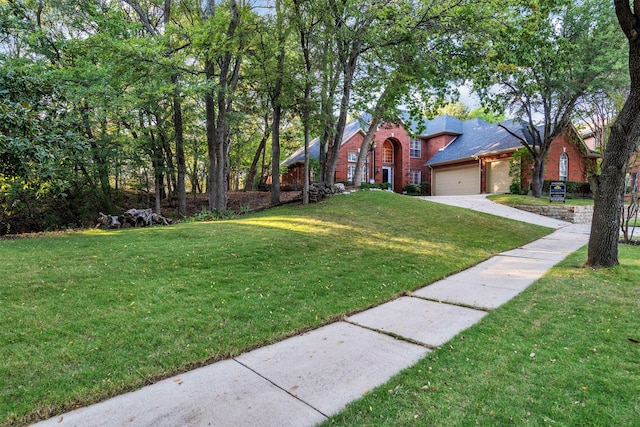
479	202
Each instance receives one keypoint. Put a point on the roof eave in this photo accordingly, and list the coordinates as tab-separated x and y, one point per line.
433	135
451	162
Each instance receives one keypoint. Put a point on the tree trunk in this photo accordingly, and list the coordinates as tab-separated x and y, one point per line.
276	100
181	191
623	140
537	176
610	185
211	140
275	155
251	176
332	155
365	149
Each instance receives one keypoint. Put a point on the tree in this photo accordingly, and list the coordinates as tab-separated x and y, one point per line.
541	62
221	47
174	77
457	110
487	115
623	140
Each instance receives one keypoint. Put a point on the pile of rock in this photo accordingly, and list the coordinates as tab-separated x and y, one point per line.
318	191
131	218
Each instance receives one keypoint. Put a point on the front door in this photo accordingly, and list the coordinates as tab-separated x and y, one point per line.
387	175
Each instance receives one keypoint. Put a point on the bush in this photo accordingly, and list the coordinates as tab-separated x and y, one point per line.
514	187
425	188
378	185
574	188
411	189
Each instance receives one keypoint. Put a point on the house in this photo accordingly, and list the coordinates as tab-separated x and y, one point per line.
456	157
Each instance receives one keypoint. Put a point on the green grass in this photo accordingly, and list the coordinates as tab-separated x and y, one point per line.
91	314
559	354
519	200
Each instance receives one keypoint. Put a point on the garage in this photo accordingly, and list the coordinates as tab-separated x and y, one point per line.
498	179
457	181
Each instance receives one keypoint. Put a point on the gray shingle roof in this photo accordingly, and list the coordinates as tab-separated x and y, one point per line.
350	129
478	138
443	124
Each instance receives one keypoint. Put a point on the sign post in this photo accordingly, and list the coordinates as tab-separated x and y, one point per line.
557	191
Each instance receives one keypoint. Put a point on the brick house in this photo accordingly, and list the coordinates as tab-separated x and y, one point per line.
455	157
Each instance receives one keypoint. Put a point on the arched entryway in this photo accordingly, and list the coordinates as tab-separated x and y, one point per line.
392	163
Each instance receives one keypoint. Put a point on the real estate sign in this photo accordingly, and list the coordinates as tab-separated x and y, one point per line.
557	191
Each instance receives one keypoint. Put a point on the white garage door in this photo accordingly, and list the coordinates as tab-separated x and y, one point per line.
498	179
457	181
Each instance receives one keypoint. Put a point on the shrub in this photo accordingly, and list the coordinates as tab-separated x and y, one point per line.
574	188
379	185
425	188
411	189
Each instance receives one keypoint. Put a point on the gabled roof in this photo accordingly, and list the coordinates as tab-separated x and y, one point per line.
350	129
442	125
479	138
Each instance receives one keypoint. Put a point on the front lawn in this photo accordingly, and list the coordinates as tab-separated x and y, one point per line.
88	315
566	352
519	200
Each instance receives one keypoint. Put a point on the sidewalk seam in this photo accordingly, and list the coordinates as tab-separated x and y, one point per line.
280	388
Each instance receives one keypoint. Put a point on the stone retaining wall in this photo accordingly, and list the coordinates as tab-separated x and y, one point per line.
574	214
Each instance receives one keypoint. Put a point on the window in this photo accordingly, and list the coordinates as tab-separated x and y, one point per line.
415	148
387	152
350	172
564	167
416	176
353	156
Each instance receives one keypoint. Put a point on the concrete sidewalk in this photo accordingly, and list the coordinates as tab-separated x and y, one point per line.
305	379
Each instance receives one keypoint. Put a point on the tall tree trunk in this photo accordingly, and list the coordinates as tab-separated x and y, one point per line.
276	100
623	140
181	191
228	72
306	101
349	69
537	175
211	141
251	176
365	149
275	156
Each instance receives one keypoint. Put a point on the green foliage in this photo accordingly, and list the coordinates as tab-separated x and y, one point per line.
425	188
514	187
515	170
538	61
98	313
457	110
573	188
487	115
39	142
411	190
213	215
375	185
